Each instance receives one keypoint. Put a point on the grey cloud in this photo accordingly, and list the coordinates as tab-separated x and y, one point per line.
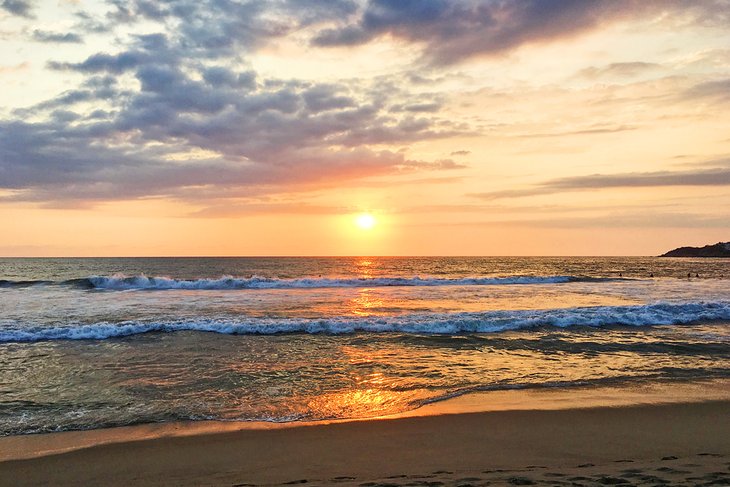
451	31
447	164
323	97
64	116
388	130
100	114
219	26
46	163
714	176
87	23
511	193
150	49
420	107
629	218
56	37
212	28
64	100
219	76
710	89
423	107
260	123
314	11
94	88
345	36
21	8
145	139
152	42
632	219
102	62
273	138
708	177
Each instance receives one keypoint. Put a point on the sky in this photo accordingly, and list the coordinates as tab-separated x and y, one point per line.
462	127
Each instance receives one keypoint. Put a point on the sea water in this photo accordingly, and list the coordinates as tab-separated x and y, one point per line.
97	342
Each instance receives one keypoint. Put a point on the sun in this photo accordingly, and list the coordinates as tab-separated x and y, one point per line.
365	221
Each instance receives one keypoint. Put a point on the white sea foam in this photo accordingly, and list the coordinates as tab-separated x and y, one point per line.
417	323
122	282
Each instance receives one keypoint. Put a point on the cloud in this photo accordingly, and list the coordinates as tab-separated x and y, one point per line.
221	26
13	69
250	208
106	63
422	107
710	89
708	177
326	97
591	130
630	219
451	31
178	113
56	37
619	70
615	220
56	161
21	8
712	176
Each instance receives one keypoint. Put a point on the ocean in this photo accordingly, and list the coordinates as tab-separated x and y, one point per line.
90	343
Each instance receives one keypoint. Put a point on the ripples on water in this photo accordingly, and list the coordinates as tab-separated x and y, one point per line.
418	345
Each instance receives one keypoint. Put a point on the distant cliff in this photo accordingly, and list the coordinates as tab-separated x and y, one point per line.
720	249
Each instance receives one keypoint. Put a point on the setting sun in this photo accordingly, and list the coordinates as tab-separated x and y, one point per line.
365	221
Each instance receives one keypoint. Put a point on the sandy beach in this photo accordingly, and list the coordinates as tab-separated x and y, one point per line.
646	444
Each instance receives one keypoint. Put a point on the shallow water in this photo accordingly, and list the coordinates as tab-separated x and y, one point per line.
88	343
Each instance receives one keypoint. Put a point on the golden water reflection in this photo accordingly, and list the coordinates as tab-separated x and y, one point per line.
365	268
361	403
366	303
371	391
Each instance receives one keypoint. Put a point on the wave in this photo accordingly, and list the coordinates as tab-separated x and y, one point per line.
141	282
416	323
256	282
7	283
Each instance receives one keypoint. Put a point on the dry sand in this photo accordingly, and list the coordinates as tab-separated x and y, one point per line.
664	444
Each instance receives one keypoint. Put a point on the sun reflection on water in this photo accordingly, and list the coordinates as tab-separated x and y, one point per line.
366	303
365	267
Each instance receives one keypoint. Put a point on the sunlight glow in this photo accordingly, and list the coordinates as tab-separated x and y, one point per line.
365	221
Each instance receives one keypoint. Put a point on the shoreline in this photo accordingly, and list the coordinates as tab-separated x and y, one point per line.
508	430
28	446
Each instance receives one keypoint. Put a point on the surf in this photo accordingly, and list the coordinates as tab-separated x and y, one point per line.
412	323
121	282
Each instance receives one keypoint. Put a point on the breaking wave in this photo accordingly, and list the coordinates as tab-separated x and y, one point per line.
122	282
416	323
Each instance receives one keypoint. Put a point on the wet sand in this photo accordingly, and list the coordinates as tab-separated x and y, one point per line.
655	444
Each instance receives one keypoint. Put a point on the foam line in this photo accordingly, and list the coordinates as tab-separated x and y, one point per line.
416	323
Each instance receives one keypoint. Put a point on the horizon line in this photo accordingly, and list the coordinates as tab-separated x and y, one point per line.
287	256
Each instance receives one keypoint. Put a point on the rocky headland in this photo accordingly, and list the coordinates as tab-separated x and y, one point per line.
720	249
